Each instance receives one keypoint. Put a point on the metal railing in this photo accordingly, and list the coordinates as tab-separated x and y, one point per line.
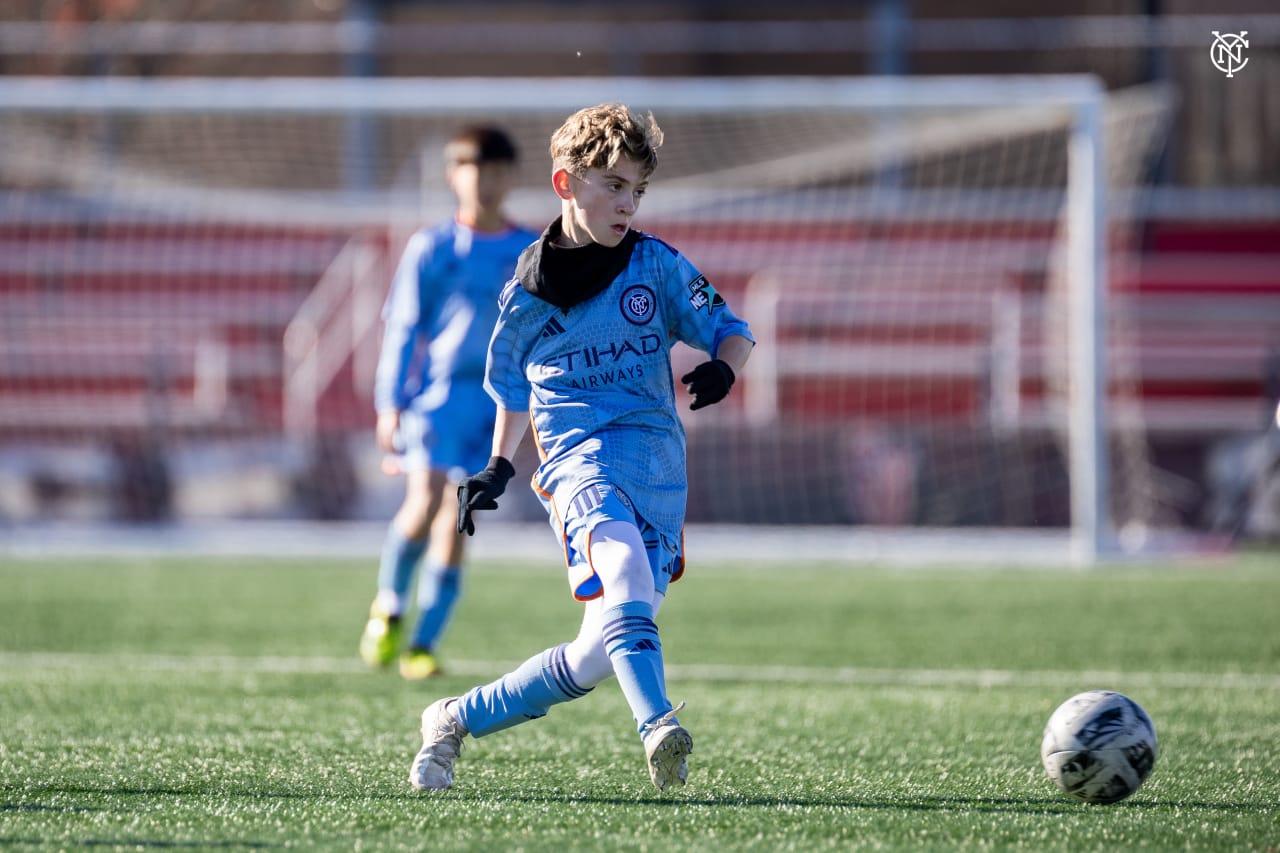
333	325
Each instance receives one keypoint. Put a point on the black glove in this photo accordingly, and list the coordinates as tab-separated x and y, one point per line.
709	383
481	491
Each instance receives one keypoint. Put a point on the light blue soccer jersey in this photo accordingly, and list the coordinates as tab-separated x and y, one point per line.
440	313
439	316
596	379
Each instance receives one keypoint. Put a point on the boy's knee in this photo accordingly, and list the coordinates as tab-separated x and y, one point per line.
587	661
412	521
620	560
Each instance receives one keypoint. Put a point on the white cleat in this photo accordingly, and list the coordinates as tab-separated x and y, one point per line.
442	738
666	744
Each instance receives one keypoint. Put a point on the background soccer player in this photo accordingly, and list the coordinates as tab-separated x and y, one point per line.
433	413
582	349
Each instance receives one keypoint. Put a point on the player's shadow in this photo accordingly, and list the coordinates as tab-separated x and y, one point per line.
134	844
45	807
1008	805
676	799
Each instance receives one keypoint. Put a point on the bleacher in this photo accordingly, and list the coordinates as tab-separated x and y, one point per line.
133	327
1206	309
1194	346
131	334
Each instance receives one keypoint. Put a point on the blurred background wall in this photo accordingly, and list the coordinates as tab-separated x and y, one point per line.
1207	223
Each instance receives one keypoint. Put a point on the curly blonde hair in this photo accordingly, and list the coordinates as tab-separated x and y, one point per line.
597	137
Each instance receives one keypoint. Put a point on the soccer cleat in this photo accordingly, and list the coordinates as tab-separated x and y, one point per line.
666	744
417	663
381	638
442	738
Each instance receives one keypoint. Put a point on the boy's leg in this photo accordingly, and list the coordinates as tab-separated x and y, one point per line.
439	585
556	675
402	550
571	670
588	662
400	558
630	635
525	693
439	588
458	443
559	674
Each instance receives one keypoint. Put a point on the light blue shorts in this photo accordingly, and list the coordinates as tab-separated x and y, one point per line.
597	503
456	437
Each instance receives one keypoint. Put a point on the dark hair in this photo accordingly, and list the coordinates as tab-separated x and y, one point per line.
479	144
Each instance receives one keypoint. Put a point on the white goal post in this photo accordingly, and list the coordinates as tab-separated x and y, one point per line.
906	243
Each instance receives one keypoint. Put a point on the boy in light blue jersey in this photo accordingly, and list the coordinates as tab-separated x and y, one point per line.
434	417
582	351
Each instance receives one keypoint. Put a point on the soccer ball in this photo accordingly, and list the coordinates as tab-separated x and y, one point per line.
1099	746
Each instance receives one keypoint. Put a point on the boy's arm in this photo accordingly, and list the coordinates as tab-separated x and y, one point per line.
482	490
710	381
386	429
401	315
508	431
734	351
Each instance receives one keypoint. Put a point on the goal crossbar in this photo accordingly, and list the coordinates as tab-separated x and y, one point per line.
424	96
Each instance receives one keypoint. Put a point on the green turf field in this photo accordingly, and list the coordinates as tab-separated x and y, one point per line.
199	704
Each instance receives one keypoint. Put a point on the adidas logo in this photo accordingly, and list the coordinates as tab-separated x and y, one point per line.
552	328
645	646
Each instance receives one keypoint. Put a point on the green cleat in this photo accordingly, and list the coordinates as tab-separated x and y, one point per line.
381	639
418	663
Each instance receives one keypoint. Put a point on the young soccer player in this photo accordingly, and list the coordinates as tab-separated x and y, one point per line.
434	418
582	350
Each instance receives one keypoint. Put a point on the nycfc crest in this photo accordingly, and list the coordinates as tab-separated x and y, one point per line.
1227	52
638	304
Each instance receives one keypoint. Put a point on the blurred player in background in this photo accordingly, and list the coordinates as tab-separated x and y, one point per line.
434	418
582	348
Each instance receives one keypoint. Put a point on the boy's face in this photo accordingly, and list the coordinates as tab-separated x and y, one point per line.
598	206
480	187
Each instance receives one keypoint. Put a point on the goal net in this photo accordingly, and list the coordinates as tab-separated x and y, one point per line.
192	273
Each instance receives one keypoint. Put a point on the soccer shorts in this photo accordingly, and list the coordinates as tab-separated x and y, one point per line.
456	436
597	503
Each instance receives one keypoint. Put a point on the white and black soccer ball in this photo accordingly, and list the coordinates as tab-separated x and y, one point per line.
1099	746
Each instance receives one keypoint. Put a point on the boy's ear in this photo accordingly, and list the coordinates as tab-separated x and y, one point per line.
560	183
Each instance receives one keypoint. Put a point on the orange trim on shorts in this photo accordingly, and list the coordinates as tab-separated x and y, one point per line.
679	573
537	442
564	538
577	582
574	582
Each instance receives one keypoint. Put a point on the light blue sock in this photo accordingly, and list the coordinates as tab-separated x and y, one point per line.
631	641
438	591
400	557
519	696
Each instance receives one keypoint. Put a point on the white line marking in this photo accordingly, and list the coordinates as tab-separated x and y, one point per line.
16	662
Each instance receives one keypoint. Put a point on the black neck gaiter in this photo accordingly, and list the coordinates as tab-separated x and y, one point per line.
566	277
